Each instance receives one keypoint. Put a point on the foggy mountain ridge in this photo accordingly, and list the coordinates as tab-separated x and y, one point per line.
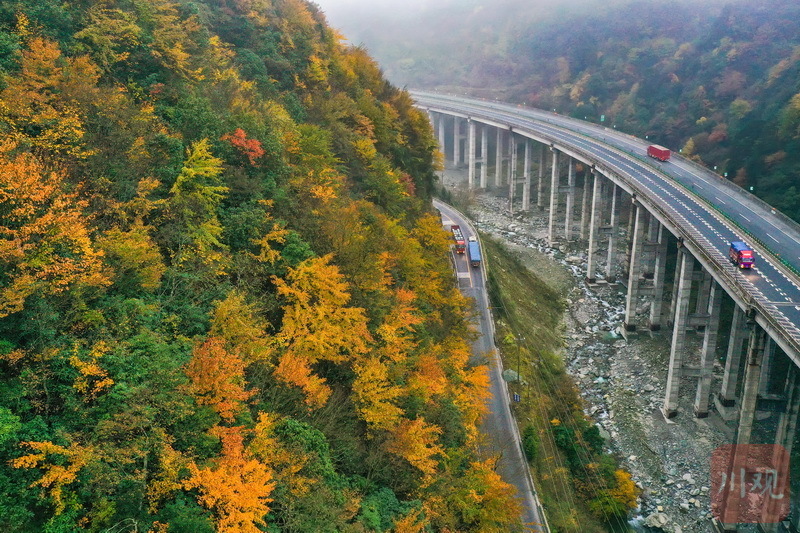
718	80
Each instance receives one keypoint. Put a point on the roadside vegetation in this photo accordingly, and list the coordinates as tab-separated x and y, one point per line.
581	486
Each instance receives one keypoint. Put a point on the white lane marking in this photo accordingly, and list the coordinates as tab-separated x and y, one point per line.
720	200
744	217
773	238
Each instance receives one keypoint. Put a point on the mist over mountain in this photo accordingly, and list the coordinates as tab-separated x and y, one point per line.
717	80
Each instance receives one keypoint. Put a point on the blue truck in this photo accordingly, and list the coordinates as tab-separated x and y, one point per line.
474	251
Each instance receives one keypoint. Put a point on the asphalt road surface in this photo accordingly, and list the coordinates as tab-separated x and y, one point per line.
499	425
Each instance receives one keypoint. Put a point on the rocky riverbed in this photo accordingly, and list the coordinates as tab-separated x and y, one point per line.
622	381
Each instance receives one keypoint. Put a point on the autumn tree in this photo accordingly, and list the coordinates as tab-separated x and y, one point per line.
236	487
217	378
45	243
192	209
317	325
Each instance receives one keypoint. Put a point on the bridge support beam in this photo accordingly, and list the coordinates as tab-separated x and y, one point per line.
767	367
730	379
659	271
594	221
498	158
683	290
484	154
512	171
471	154
568	216
554	179
708	355
585	206
755	353
611	260
540	182
634	268
442	138
456	142
526	177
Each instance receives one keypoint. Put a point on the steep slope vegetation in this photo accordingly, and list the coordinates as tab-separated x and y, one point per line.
224	305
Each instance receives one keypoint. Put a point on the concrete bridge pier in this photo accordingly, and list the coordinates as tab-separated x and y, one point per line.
613	230
526	177
554	179
708	353
587	181
512	171
540	182
659	271
484	160
594	223
755	353
634	267
456	142
441	136
510	157
683	290
498	157
570	206
471	153
726	399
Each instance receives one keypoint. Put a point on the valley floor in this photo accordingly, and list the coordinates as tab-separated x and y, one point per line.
622	382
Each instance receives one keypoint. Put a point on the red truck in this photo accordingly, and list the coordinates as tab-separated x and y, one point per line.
461	245
741	255
658	152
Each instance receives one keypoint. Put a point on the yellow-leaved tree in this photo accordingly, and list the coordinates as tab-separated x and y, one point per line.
44	239
317	325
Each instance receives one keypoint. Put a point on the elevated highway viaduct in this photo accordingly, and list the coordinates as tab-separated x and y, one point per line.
592	180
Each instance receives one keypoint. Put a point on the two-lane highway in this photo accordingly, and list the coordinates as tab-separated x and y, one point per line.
499	425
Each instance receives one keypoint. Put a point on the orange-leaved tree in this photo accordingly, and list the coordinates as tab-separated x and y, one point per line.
217	378
44	239
236	487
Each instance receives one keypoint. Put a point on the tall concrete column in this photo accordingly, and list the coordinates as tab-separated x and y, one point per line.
554	178
787	424
747	411
512	147
456	142
570	200
484	154
540	183
704	290
766	367
708	354
660	269
752	377
594	222
442	138
498	158
512	173
634	269
684	291
526	177
471	153
674	302
730	378
585	206
612	236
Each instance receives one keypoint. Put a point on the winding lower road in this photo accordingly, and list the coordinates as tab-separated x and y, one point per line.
499	425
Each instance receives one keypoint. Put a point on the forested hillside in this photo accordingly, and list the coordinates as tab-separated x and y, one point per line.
718	80
224	303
